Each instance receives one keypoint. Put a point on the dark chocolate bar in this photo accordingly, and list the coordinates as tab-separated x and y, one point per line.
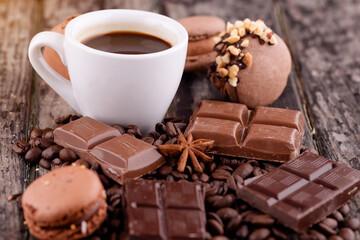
265	133
302	191
164	210
120	156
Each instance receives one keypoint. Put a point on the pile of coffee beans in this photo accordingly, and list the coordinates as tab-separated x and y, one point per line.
227	217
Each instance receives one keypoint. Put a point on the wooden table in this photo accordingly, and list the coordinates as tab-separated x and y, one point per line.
324	82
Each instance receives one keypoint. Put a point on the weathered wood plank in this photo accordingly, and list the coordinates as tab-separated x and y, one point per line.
322	35
196	86
16	29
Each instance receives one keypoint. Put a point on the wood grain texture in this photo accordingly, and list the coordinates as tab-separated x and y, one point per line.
324	39
16	29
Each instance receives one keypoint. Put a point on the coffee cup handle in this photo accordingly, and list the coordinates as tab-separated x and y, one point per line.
61	85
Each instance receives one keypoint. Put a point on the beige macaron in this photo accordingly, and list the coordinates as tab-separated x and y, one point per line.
201	30
51	57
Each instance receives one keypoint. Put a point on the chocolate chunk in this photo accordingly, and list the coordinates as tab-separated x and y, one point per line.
302	191
120	156
164	210
272	134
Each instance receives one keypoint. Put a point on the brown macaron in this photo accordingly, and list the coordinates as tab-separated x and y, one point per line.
51	57
201	30
253	68
66	203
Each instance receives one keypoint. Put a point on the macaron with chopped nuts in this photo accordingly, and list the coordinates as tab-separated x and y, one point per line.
201	31
66	203
252	63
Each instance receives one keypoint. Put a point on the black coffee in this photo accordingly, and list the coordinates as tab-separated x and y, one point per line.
127	42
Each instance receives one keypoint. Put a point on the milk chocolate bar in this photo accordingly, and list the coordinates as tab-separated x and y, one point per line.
265	133
120	156
302	191
164	210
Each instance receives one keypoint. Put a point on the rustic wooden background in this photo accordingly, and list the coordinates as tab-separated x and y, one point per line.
323	37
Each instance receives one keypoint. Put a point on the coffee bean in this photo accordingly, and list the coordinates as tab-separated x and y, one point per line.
257	171
204	177
338	216
226	167
165	170
33	155
188	170
158	142
179	175
45	163
51	152
231	182
259	234
353	223
65	164
163	137
194	177
244	170
56	163
225	201
215	227
211	200
160	128
81	162
36	133
219	238
260	220
133	129
63	120
220	174
119	128
67	155
280	233
234	224
181	125
20	147
335	237
242	232
214	216
148	140
170	178
330	222
227	213
316	235
154	134
95	167
170	130
345	209
326	229
48	133
211	167
172	140
43	142
346	233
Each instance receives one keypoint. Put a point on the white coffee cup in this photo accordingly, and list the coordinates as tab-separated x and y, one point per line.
110	87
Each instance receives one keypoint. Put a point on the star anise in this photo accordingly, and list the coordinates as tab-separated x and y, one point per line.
188	148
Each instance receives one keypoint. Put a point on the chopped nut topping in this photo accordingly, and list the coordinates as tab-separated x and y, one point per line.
233	70
218	60
72	226
273	40
234	32
231	42
232	39
46	183
226	58
223	72
247	59
233	81
217	39
229	27
245	43
234	51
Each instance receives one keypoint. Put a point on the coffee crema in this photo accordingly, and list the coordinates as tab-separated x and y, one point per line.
127	42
